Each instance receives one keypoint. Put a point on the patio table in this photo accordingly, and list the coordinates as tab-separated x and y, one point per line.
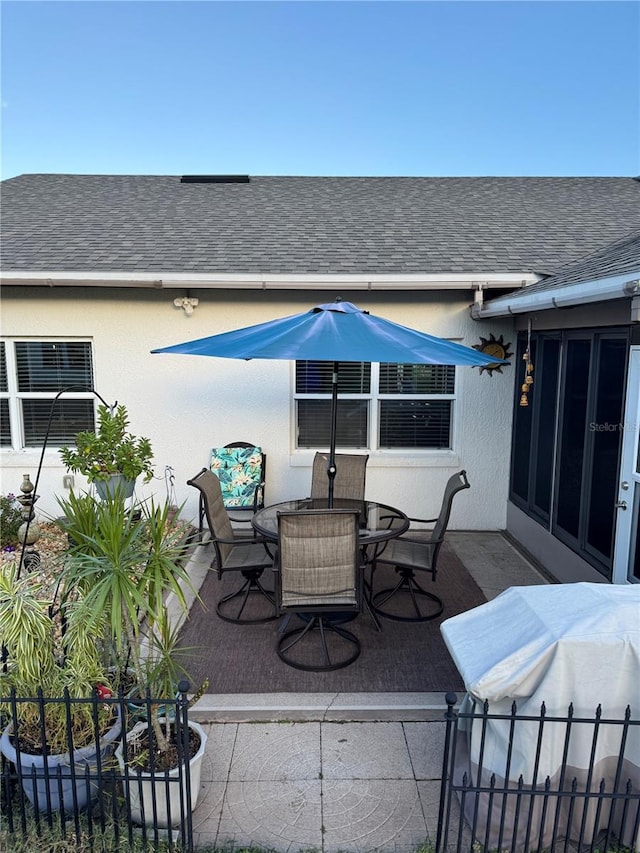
378	522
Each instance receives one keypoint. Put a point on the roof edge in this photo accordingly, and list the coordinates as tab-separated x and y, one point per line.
624	286
257	281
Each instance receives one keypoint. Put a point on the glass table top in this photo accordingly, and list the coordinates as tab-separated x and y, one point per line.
378	522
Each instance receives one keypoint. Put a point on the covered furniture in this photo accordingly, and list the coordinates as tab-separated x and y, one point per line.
318	577
240	467
350	475
234	553
413	553
560	644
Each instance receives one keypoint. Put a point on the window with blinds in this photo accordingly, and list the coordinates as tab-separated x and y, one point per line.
5	427
32	373
379	405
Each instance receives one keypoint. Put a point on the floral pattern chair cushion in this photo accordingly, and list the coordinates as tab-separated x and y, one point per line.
240	471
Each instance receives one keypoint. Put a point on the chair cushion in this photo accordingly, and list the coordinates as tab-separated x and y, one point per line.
239	470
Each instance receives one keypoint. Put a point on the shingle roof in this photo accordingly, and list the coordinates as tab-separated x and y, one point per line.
616	259
324	225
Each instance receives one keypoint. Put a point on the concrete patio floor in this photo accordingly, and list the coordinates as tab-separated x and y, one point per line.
343	772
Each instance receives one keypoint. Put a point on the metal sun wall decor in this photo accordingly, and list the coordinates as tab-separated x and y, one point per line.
493	346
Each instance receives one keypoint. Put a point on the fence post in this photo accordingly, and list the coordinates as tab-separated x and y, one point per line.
450	717
182	715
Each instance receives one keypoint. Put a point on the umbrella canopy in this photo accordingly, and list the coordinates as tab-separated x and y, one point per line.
338	331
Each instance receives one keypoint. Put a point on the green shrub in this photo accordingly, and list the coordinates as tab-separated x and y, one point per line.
10	520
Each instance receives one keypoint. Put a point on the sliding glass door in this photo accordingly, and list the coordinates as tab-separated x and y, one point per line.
567	440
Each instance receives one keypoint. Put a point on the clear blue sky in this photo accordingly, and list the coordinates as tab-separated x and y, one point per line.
321	88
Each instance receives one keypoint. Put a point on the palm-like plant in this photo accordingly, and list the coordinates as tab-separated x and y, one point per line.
124	562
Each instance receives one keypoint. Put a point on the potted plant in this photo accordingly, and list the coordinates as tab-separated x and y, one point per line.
111	457
155	769
42	662
125	563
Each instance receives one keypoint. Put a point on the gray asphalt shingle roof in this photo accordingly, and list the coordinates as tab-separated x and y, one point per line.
619	258
323	225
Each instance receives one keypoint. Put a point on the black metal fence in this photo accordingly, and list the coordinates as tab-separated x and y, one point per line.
115	788
521	783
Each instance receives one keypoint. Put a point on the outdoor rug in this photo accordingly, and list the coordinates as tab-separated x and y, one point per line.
403	657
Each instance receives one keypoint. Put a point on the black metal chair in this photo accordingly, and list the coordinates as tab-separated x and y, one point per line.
319	579
234	553
410	554
241	467
349	482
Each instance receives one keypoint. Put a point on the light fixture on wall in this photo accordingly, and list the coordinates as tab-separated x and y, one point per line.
187	303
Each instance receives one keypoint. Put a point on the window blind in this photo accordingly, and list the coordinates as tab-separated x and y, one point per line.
315	377
5	426
3	368
415	423
44	366
68	418
417	378
314	423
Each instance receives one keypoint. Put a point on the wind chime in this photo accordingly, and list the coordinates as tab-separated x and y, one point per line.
528	371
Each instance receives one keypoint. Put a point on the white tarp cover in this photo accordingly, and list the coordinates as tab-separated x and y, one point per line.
559	644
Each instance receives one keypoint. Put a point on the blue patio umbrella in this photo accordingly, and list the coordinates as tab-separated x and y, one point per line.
338	332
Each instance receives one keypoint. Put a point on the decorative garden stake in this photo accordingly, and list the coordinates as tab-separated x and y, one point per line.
29	531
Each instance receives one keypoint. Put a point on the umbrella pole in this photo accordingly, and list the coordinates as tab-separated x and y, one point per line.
331	468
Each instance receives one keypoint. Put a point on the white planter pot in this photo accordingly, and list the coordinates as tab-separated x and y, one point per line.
65	799
145	787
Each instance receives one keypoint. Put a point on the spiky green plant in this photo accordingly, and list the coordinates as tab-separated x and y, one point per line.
123	563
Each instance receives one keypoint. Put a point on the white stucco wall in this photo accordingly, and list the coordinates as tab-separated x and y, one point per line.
187	404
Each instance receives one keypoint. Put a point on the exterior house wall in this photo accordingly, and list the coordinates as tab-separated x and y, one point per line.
616	313
187	404
550	552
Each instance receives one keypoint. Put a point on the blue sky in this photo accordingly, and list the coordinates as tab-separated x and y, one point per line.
321	88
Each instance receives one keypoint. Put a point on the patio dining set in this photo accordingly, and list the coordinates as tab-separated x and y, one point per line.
314	564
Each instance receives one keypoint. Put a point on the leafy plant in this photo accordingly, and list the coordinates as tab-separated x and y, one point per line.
111	449
123	562
11	518
40	660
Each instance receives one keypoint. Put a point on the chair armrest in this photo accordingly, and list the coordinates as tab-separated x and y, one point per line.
250	540
389	519
243	540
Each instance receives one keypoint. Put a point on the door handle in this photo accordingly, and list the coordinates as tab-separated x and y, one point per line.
621	504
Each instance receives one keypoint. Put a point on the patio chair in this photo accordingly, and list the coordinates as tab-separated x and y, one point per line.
412	553
351	472
240	466
319	579
235	553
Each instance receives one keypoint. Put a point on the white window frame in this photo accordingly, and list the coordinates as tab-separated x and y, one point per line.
15	397
373	399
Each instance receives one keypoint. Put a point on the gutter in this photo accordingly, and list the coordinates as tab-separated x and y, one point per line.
624	286
259	281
